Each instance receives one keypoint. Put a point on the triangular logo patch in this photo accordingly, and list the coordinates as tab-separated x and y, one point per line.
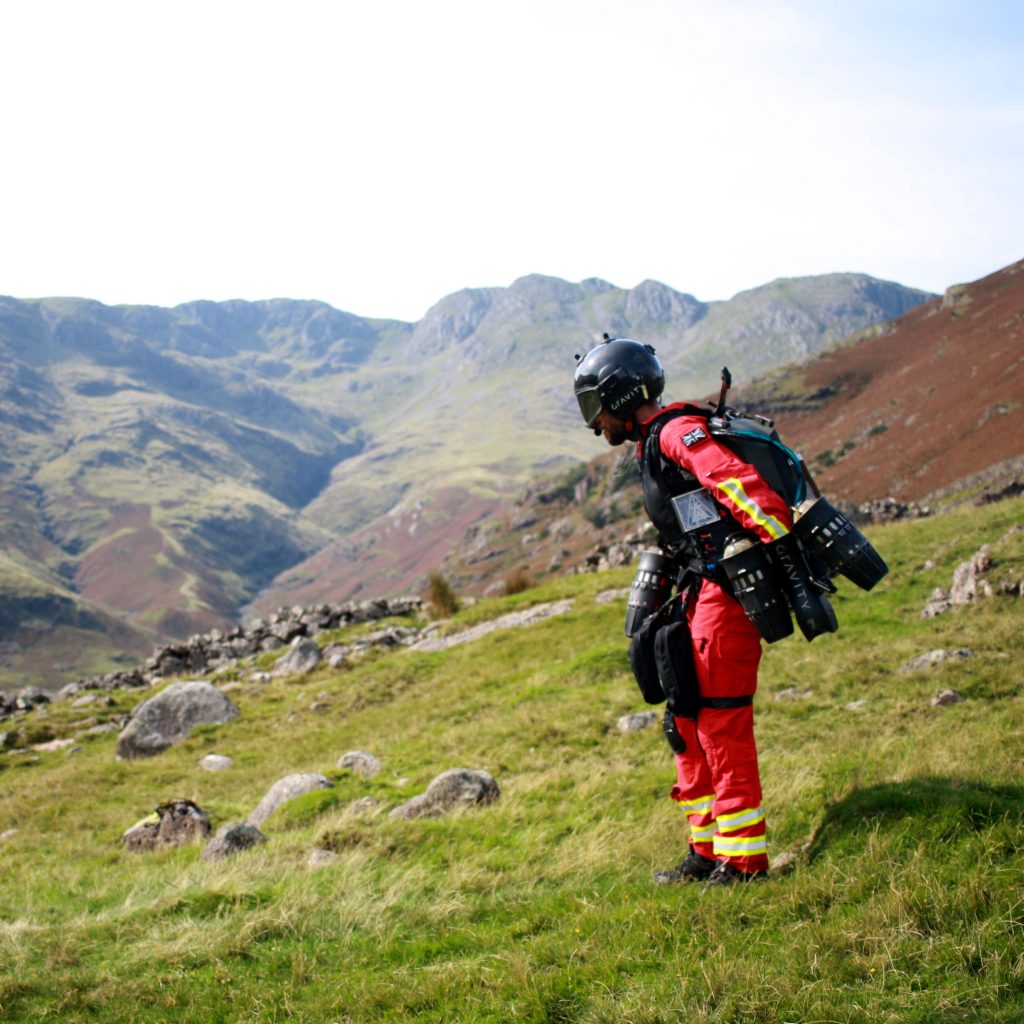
695	509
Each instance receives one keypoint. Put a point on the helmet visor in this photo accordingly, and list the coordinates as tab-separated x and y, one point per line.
590	405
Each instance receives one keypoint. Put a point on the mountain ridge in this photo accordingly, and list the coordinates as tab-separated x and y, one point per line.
172	465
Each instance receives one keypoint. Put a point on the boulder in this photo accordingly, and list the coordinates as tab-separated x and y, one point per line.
304	656
360	762
170	716
944	697
322	858
230	839
634	723
937	604
175	823
364	805
968	584
932	659
457	787
284	790
29	697
216	762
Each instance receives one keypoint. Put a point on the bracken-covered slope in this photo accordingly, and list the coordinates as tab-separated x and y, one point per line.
918	407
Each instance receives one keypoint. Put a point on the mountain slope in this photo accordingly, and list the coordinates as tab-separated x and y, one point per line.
490	402
916	408
903	822
167	466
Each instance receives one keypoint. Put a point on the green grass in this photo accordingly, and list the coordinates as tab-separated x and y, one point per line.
905	902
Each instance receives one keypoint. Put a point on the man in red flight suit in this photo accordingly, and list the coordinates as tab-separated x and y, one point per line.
618	385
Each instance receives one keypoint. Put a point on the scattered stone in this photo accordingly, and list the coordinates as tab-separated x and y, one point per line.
9	834
360	762
260	677
29	698
967	581
170	716
284	790
784	861
85	700
887	510
937	604
103	727
230	839
934	658
364	805
216	762
322	858
218	649
634	723
607	596
457	787
303	657
944	697
50	745
793	693
854	704
175	823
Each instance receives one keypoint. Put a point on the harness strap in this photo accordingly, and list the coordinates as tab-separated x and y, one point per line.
724	703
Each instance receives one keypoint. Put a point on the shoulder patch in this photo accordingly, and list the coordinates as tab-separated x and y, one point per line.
695	436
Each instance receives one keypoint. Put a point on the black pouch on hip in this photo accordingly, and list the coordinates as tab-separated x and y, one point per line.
641	659
673	657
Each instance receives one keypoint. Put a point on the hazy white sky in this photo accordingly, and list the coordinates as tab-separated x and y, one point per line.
381	154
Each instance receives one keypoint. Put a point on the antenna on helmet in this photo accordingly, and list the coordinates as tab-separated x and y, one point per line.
726	384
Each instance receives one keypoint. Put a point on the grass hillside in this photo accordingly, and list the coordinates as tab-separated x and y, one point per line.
904	903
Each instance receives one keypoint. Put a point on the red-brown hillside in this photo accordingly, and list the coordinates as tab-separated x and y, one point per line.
930	400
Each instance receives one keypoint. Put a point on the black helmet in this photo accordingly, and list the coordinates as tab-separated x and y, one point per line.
619	375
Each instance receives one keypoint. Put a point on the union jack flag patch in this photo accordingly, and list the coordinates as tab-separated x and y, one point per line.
695	435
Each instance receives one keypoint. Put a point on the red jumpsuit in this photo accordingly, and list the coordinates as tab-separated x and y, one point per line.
718	786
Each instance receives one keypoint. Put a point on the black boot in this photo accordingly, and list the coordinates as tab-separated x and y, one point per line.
694	869
726	874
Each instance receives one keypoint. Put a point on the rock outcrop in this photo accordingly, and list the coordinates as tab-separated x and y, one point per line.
230	839
170	716
458	787
175	823
361	763
284	790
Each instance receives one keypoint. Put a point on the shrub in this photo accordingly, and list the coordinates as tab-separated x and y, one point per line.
441	599
517	581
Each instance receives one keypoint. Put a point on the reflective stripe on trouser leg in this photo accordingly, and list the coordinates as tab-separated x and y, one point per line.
740	846
694	791
740	819
699	805
702	834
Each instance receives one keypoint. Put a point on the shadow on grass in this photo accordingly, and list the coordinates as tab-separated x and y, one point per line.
939	809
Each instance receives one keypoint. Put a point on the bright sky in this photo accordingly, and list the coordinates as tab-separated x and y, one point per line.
380	154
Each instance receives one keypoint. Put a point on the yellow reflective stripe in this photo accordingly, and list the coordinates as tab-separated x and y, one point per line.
701	805
733	489
740	819
704	834
740	846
